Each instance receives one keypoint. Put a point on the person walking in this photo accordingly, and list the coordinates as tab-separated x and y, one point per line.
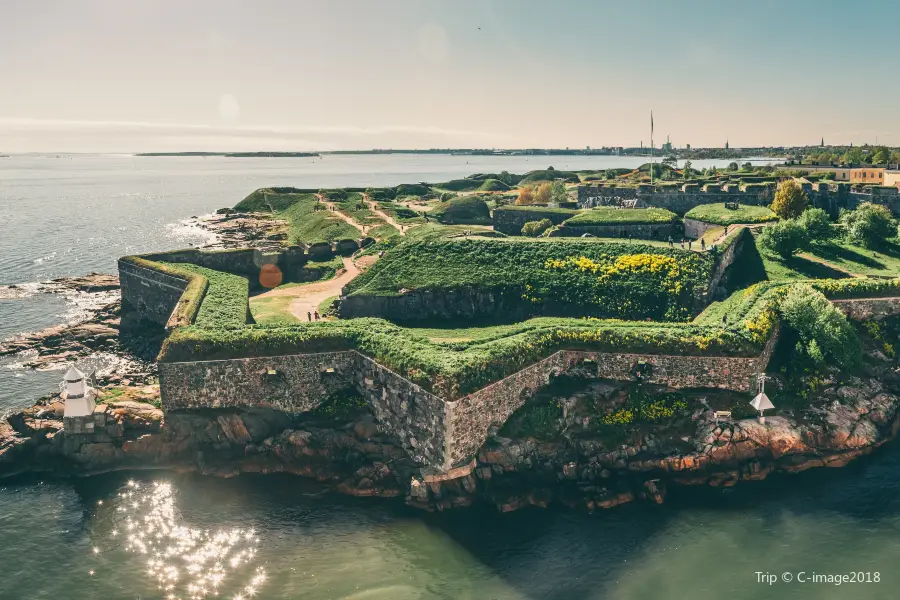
317	315
309	316
702	244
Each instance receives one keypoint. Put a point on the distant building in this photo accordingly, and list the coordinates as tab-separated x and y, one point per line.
840	173
867	175
726	144
892	177
687	147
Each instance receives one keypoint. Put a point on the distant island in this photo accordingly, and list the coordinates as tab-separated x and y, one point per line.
235	154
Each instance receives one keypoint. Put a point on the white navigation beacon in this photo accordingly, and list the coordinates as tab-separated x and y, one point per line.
761	402
78	395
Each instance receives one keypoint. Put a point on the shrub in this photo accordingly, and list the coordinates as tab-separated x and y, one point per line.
825	334
526	196
817	225
536	228
784	238
464	209
550	174
544	193
790	200
869	225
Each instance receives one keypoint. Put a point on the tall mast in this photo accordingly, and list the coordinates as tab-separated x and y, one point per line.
651	147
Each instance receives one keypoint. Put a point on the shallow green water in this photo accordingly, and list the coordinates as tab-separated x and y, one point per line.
314	544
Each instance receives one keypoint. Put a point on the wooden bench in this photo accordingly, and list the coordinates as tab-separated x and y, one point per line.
722	414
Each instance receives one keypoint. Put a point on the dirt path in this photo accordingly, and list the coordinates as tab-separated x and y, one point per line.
333	209
731	229
387	218
308	296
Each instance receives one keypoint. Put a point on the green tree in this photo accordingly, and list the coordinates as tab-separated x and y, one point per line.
852	156
670	161
880	157
558	193
687	169
747	166
536	228
790	200
895	157
732	166
869	225
817	225
784	238
824	332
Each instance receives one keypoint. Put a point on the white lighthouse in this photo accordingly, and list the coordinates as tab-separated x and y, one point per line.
79	397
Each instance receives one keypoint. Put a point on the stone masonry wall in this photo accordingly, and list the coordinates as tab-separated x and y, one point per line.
864	309
659	231
403	409
152	294
472	416
510	221
299	383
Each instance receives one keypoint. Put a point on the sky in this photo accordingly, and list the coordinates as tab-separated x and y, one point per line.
235	75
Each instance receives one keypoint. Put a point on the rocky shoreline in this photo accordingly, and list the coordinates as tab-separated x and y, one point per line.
355	458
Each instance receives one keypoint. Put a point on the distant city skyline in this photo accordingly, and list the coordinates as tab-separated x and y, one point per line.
235	75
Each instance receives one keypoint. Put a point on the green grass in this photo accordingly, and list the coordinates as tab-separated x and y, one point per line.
225	302
518	270
719	215
835	260
272	310
307	226
623	216
540	209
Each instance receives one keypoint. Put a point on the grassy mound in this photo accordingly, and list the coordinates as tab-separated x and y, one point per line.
493	185
549	175
719	215
470	210
623	216
225	302
270	199
549	276
309	226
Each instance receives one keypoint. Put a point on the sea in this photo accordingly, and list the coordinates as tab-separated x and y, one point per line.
830	533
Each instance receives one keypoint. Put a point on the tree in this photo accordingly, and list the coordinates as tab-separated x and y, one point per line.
880	157
558	193
784	238
869	225
687	169
895	157
670	161
543	193
824	332
790	200
732	166
817	225
526	195
536	228
747	166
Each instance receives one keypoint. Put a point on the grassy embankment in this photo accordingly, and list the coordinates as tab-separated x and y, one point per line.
588	277
719	215
623	216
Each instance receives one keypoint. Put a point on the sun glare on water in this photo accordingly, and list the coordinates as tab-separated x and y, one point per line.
185	563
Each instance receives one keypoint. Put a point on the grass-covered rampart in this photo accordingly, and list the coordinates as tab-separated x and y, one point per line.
565	277
718	214
623	216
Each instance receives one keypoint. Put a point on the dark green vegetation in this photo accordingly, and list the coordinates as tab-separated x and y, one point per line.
225	302
870	225
536	228
562	276
623	216
720	215
466	210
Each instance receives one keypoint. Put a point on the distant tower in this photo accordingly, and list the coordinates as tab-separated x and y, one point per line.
726	143
822	143
78	395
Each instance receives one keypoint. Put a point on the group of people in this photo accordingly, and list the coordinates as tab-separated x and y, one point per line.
689	243
309	315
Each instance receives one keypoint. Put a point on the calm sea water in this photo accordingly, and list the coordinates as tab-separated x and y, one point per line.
291	539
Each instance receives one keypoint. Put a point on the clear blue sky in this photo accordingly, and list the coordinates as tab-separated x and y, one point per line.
113	75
